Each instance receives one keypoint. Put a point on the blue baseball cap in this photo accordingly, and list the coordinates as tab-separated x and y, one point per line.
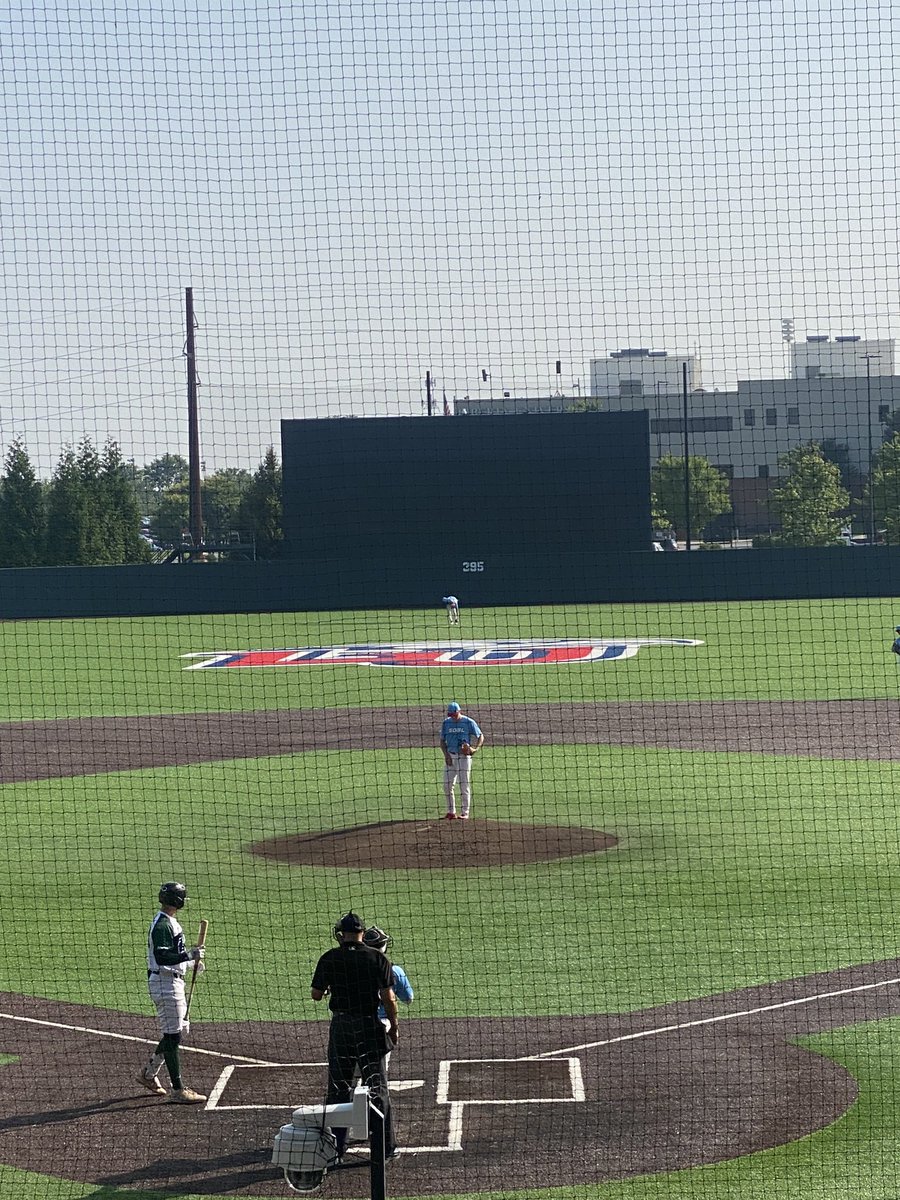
452	708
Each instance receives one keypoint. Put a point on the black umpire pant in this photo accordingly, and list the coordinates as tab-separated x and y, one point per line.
358	1042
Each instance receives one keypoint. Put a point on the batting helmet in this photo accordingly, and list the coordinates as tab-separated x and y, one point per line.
377	938
173	894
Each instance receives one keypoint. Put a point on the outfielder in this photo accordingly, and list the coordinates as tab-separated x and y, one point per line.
167	961
452	609
460	738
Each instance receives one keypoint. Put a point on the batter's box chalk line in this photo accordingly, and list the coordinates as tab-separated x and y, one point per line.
456	1108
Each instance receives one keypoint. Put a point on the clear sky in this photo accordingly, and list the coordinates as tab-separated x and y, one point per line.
361	190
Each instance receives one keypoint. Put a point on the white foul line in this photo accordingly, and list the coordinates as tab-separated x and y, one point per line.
126	1037
733	1016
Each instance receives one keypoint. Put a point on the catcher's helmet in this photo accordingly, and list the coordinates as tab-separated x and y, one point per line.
174	894
377	938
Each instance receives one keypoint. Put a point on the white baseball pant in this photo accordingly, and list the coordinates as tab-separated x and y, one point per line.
458	769
167	993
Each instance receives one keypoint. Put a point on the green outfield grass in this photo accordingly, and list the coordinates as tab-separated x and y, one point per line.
731	869
830	649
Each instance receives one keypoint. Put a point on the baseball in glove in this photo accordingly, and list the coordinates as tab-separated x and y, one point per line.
466	750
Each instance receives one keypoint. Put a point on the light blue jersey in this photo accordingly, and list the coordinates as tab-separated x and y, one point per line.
454	733
403	989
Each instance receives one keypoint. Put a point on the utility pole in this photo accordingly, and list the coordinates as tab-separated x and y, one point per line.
870	472
687	460
195	520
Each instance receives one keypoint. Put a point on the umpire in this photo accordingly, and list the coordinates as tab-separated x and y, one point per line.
358	979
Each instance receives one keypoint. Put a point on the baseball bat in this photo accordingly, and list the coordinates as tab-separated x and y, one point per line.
201	941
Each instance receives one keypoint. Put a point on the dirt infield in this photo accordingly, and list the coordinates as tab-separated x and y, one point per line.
586	1099
862	729
491	1104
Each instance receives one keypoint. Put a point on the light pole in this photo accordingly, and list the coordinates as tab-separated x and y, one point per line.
869	358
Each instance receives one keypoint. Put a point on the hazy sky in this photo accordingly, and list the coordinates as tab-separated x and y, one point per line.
361	190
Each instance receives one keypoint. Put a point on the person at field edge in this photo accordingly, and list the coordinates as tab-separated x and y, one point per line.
403	989
358	979
460	739
167	961
452	605
896	645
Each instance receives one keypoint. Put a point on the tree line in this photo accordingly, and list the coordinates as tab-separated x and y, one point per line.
99	509
812	501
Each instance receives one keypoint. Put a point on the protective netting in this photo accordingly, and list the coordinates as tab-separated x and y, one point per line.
628	274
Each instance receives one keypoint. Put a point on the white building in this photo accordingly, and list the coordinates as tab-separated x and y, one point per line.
641	372
846	357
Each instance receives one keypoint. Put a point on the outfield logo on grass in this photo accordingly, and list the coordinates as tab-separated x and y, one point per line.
513	653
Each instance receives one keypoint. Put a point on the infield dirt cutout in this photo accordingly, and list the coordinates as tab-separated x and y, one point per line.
434	845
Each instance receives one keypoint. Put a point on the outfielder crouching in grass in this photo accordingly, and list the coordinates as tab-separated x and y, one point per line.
452	605
166	962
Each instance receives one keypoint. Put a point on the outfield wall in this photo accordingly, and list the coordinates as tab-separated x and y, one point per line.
640	577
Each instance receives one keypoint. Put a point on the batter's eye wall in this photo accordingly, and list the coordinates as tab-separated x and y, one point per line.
452	492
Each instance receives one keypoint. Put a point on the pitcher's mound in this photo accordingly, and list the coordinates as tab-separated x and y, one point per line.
437	844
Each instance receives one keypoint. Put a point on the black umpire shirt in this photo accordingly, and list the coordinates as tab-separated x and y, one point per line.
354	975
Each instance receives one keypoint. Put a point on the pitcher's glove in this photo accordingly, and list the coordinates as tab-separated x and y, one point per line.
466	750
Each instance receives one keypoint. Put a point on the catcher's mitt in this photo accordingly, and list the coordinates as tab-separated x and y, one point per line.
466	750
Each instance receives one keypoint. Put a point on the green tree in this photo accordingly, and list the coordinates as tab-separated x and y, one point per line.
222	493
807	500
885	494
92	510
66	513
588	404
22	517
172	515
118	510
164	473
709	493
260	510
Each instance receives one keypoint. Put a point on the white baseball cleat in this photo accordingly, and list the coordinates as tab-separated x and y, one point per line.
186	1095
152	1084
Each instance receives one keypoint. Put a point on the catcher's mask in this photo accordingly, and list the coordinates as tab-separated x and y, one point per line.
377	938
173	894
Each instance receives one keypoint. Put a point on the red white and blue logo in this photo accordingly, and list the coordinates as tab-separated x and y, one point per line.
537	652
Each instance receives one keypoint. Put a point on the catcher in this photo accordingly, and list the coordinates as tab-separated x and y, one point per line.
460	739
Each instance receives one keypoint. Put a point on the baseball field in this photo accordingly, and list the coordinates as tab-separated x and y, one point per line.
659	962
